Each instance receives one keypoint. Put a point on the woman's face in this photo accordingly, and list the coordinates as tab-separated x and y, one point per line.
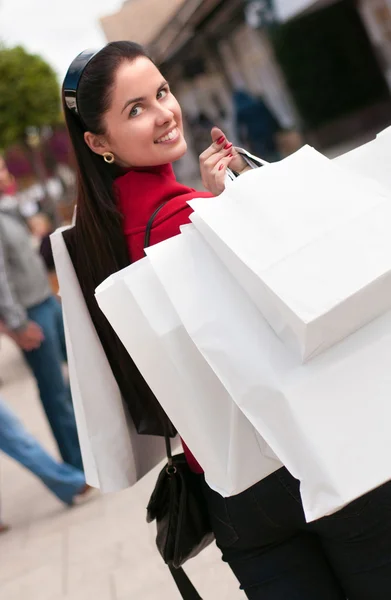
143	125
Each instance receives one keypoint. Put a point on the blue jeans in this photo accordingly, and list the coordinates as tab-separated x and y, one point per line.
46	365
276	555
61	479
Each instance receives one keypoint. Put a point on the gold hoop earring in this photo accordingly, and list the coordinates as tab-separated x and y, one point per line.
108	157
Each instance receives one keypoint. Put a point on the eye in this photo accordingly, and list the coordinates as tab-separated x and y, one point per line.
162	94
136	111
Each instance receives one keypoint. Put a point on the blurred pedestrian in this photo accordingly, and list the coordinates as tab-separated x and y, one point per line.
26	208
21	205
41	228
63	480
257	126
32	316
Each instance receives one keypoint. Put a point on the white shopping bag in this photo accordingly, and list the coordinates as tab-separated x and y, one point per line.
328	420
231	452
371	160
114	455
309	241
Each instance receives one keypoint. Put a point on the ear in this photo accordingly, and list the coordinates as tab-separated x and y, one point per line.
96	143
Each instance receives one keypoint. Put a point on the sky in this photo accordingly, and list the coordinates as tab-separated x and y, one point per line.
56	29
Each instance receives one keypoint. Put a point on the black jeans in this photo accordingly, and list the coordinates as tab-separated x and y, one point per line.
276	555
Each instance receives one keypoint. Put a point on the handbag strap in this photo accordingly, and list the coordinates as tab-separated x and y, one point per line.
148	229
183	583
147	240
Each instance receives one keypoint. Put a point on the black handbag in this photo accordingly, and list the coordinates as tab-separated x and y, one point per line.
179	508
178	505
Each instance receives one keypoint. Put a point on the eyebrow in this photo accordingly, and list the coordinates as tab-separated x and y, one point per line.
141	98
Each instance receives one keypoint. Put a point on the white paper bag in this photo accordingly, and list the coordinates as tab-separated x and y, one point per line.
309	241
371	160
329	420
114	455
221	438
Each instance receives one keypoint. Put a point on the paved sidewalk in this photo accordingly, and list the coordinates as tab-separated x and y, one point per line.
103	550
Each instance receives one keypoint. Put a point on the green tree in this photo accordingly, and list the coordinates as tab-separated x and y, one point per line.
29	94
29	101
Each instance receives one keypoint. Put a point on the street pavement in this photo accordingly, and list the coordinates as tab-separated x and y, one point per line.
103	550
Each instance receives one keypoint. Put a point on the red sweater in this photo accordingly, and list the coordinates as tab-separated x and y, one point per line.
140	192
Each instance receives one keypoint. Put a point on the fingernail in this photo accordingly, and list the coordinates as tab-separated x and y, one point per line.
227	146
220	140
230	155
221	167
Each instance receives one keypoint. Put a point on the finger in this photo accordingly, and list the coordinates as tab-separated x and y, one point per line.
212	155
220	174
223	164
211	150
215	158
219	139
216	134
221	168
219	142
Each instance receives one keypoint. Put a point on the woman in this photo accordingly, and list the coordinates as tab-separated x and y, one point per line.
126	130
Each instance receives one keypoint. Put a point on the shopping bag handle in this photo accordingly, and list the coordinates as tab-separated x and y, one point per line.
253	161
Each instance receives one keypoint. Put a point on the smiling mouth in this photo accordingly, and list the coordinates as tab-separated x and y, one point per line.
169	137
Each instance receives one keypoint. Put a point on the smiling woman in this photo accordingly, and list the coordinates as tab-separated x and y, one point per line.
126	130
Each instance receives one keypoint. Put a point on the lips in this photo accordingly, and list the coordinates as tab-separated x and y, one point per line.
171	135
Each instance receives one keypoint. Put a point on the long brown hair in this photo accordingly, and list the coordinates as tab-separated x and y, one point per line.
96	243
98	230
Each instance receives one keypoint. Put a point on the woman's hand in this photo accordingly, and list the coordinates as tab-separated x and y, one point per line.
215	161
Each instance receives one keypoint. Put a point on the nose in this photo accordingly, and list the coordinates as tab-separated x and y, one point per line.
163	115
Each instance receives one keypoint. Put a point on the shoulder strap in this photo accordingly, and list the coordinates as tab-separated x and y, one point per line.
183	583
148	229
147	239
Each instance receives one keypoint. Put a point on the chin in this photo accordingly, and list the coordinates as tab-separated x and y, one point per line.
179	152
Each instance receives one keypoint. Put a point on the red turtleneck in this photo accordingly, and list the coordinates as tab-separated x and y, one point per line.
140	192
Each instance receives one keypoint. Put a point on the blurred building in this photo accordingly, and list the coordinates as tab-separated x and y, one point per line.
376	15
322	65
139	20
336	60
